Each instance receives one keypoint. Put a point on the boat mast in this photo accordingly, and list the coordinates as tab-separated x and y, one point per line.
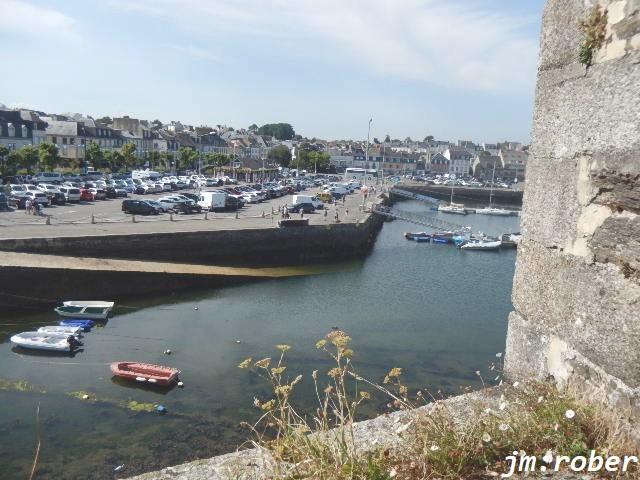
492	176
451	199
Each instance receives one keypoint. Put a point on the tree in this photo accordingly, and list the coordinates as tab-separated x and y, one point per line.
153	158
253	127
94	155
408	140
281	131
186	158
280	155
376	141
128	155
105	120
47	155
428	138
167	159
4	151
387	139
114	159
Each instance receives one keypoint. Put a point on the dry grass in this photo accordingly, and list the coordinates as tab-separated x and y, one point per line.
534	418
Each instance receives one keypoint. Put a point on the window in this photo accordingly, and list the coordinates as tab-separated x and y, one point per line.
11	130
24	131
64	140
72	141
54	140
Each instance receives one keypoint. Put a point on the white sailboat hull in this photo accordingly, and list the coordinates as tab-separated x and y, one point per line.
481	245
493	211
89	303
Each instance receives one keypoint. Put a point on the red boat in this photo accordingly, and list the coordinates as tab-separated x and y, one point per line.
145	372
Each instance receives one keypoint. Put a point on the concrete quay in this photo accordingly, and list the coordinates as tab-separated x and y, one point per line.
125	260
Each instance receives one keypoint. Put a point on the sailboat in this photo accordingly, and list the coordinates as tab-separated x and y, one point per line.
457	208
492	210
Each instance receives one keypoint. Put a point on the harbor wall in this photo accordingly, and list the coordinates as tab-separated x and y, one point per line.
219	247
467	195
576	291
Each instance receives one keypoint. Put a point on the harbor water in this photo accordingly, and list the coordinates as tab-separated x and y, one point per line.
437	312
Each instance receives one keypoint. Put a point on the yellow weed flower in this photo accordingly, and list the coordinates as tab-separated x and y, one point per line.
245	363
320	344
278	370
264	363
283	348
268	405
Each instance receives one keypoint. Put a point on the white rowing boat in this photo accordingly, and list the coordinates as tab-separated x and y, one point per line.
89	303
96	310
42	341
60	330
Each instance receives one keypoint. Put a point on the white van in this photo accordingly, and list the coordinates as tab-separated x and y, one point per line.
47	177
315	201
213	201
337	190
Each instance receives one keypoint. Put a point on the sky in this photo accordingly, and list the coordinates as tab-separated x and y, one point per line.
454	69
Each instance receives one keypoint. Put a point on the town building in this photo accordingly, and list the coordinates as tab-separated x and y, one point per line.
21	127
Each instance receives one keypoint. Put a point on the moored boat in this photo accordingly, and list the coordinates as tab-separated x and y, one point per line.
493	211
415	236
423	239
85	324
60	330
43	341
477	244
99	312
89	303
145	372
510	239
456	208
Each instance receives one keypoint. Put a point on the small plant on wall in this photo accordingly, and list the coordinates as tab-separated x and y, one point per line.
594	29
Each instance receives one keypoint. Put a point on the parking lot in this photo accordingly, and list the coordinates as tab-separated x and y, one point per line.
103	217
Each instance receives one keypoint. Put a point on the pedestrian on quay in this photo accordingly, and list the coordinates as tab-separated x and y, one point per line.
326	212
301	213
27	206
346	212
336	216
286	212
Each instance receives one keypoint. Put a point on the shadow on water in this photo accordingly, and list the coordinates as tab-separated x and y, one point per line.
146	387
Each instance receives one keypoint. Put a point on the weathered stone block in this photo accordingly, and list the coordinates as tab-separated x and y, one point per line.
525	350
618	189
594	308
561	33
596	112
617	241
550	204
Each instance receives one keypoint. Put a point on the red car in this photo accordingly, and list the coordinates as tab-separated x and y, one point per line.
86	195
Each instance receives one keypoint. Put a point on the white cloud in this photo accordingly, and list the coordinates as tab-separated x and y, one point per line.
24	19
199	53
440	42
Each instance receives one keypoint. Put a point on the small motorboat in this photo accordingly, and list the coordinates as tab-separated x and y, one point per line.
85	324
415	236
145	372
60	330
443	237
95	310
44	341
475	244
511	239
424	239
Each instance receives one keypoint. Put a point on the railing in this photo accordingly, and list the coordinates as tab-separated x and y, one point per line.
414	196
421	219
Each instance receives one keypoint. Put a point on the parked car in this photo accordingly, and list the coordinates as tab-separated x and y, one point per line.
4	202
18	200
71	194
38	197
139	207
188	206
305	207
86	195
163	207
56	197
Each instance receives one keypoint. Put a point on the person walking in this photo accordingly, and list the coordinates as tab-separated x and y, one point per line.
27	206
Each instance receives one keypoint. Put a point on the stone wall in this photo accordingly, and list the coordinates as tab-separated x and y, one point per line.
577	284
314	243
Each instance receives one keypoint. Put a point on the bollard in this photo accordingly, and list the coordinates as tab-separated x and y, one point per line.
171	216
273	211
237	216
206	215
133	218
262	213
93	219
48	222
